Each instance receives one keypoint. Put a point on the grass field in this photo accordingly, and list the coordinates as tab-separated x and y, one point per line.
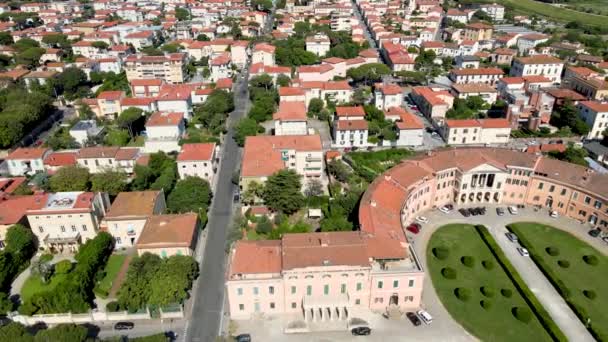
111	270
476	290
371	164
566	261
34	285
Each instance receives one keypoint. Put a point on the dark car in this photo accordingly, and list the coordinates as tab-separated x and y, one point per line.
414	228
474	211
594	232
124	325
464	212
413	318
482	210
361	331
449	206
243	338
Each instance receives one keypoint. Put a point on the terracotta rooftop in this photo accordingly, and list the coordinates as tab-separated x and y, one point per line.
350	111
196	151
165	231
291	111
133	204
27	153
165	119
349	125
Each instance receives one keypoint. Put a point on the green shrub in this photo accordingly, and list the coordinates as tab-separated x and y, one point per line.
46	257
487	264
448	273
506	293
552	251
113	306
591	260
441	252
487	291
563	263
63	267
468	261
589	294
486	304
522	314
462	293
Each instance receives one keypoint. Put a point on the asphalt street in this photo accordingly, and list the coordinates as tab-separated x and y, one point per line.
205	320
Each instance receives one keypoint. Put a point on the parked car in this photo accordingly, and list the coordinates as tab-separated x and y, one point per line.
236	196
595	232
425	316
413	318
482	210
124	325
445	209
605	239
523	251
500	211
243	338
512	237
414	228
464	212
513	210
361	331
422	219
474	211
553	214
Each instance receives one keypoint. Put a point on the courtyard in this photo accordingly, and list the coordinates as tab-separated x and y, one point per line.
577	270
476	290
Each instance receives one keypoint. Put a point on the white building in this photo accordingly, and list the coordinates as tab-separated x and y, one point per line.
480	75
65	220
350	133
263	53
529	41
84	130
25	161
290	119
496	12
163	132
595	114
387	96
476	132
198	160
221	67
101	158
318	44
540	65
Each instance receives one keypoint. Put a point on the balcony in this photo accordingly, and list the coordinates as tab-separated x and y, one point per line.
313	159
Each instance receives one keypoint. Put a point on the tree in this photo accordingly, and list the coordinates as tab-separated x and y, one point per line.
84	111
369	73
314	187
335	223
282	192
62	332
43	270
202	38
190	194
337	169
263	225
182	14
110	181
70	178
425	59
21	243
134	292
253	193
15	332
117	137
101	45
283	80
30	58
129	117
71	82
567	116
61	139
170	47
262	5
572	154
6	305
56	40
173	279
244	128
315	106
6	38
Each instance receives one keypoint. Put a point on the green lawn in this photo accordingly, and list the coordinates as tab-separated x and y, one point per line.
34	285
111	271
370	164
566	261
466	276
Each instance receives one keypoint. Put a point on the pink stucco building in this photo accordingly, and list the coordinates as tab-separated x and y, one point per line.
322	276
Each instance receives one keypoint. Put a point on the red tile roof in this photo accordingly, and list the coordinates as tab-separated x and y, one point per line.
27	153
291	111
197	151
165	119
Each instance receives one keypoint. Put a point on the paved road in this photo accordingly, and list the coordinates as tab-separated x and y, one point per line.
207	308
142	328
555	305
366	33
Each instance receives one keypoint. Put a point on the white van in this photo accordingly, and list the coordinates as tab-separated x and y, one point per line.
513	210
425	316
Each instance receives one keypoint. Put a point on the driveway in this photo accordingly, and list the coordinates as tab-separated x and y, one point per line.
546	294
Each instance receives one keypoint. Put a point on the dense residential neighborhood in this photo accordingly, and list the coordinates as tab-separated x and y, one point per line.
281	170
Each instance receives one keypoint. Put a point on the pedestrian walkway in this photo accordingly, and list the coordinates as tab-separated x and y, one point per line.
120	277
17	284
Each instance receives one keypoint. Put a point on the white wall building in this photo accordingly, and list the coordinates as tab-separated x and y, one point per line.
24	161
540	65
198	160
595	114
163	132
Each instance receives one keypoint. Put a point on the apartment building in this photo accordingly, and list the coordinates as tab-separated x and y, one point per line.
169	235
387	96
595	114
432	102
128	215
108	103
479	75
101	158
529	41
485	91
163	132
476	131
169	68
265	155
26	161
63	221
539	65
496	12
291	118
592	88
350	133
263	53
198	160
318	44
478	31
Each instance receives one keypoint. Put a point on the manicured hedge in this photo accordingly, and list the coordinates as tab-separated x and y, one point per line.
537	308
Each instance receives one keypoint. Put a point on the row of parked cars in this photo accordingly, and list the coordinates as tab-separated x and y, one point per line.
418	317
466	212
